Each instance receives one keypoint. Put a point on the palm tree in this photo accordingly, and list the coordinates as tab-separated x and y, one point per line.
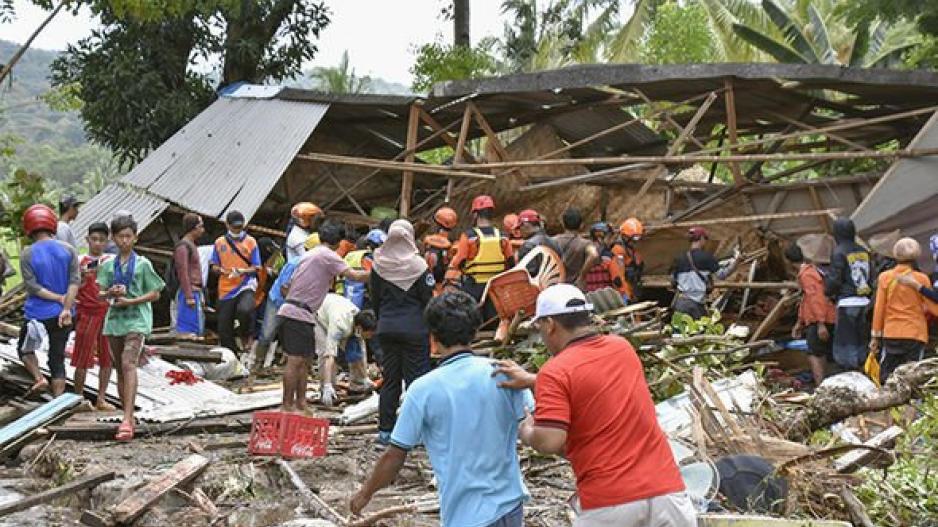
340	79
813	33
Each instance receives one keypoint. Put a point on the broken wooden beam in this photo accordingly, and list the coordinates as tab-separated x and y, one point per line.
856	459
98	430
316	504
365	162
663	281
182	352
79	484
138	502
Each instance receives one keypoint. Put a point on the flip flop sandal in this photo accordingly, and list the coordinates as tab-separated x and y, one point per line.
125	432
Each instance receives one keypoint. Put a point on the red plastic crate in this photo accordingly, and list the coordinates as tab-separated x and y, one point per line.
266	433
288	435
304	436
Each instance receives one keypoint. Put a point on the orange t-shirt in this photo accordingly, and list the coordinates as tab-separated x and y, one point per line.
899	312
595	390
815	306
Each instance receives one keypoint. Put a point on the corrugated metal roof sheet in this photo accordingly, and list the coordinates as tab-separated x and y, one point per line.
144	207
229	156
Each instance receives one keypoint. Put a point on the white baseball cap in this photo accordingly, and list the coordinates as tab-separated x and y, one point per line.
561	299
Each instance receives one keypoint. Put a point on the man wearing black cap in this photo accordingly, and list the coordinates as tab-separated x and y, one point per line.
237	260
68	211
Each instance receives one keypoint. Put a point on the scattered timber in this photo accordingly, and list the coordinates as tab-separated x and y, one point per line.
79	484
137	503
183	352
316	504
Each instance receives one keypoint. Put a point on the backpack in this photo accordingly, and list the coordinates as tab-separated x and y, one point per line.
170	277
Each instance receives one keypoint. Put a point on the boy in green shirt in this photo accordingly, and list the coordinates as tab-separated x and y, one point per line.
130	285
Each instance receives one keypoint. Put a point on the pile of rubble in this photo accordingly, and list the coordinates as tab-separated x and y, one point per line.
720	394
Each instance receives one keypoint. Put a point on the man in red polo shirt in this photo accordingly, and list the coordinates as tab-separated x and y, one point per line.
593	407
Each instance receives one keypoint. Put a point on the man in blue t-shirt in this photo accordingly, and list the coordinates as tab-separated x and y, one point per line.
478	490
50	273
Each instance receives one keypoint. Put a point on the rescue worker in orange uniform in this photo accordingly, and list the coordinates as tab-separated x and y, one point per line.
605	273
481	253
438	248
628	260
512	226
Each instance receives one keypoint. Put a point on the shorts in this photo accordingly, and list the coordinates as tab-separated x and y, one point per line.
672	510
58	339
89	342
818	347
297	338
124	346
189	320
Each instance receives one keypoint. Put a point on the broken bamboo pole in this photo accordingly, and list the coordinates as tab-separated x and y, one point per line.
693	158
743	219
366	162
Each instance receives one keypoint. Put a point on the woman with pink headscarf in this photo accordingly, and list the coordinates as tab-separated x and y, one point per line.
401	287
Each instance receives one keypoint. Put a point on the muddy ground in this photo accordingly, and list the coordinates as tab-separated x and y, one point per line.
248	491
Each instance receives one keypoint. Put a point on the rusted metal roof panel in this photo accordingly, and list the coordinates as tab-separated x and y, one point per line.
230	155
118	197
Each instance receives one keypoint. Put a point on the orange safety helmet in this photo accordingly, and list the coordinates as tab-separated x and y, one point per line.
305	211
446	217
40	217
632	228
482	202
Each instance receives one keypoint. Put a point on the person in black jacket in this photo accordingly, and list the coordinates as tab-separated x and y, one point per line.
849	285
401	287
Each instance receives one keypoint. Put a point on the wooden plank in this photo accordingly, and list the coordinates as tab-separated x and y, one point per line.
77	485
774	315
732	138
463	135
407	176
446	137
97	430
691	125
804	126
180	352
138	502
856	459
825	220
667	117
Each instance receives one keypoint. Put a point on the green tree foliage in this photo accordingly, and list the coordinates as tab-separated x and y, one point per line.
564	32
21	190
340	78
814	33
136	73
438	62
679	35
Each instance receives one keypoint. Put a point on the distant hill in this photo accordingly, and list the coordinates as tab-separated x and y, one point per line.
22	112
52	144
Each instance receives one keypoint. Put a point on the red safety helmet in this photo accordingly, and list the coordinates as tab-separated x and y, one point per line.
40	217
446	217
697	233
632	228
482	202
529	216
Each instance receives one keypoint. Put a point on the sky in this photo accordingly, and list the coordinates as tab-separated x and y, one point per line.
380	35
